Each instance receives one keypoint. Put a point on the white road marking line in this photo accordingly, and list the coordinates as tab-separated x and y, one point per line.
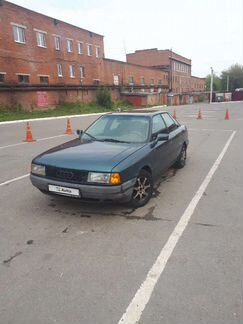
136	307
13	180
46	138
49	118
38	140
210	129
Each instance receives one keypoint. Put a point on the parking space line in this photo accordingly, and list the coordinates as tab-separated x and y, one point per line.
210	129
13	180
137	305
38	140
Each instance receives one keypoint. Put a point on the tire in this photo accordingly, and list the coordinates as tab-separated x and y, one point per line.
181	161
142	190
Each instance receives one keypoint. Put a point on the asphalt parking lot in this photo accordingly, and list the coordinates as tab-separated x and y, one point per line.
178	260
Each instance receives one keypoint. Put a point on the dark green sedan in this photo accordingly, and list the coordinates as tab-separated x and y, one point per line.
118	157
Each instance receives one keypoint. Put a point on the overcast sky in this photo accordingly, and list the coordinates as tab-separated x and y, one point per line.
209	32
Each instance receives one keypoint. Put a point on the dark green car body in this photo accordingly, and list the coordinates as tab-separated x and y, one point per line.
69	165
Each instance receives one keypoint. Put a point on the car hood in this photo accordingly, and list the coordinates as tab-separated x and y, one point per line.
87	155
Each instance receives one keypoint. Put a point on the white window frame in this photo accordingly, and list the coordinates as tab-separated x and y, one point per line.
24	74
72	71
69	45
59	70
57	42
40	38
89	49
82	71
97	51
131	80
19	33
80	48
142	80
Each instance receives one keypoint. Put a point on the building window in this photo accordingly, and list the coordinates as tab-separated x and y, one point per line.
159	82
57	41
59	70
19	34
152	82
23	78
96	81
130	80
89	49
142	81
80	48
72	71
116	80
69	45
82	71
2	76
41	39
97	51
44	79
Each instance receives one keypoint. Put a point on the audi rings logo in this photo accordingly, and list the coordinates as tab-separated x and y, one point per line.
65	174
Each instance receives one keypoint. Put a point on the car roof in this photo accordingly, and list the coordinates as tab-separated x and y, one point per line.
138	112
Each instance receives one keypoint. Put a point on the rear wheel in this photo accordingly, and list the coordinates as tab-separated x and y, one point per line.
181	161
142	190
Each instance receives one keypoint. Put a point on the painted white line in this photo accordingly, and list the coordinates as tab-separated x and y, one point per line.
143	295
210	130
38	140
13	180
68	116
50	118
47	138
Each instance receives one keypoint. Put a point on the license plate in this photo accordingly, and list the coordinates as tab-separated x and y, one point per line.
64	191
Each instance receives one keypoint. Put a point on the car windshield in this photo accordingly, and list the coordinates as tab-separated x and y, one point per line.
119	129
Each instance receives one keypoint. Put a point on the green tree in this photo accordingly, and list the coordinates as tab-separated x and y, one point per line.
216	82
234	74
103	97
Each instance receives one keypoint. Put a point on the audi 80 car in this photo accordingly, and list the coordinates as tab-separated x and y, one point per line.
118	157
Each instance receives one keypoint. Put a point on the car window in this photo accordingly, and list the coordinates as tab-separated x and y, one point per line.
123	128
170	123
158	124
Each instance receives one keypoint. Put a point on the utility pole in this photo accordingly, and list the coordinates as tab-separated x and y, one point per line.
227	83
211	86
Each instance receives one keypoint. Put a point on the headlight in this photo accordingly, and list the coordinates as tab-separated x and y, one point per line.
38	169
104	178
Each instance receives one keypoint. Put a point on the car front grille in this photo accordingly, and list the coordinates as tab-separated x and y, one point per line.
68	175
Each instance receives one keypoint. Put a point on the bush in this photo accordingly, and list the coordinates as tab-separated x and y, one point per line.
201	99
103	97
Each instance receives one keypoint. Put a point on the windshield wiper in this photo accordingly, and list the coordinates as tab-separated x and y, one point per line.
113	140
91	136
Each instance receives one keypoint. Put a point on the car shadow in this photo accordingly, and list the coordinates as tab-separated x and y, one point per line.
88	209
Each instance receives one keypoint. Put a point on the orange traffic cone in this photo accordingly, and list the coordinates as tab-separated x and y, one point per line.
29	137
174	114
69	128
227	115
199	114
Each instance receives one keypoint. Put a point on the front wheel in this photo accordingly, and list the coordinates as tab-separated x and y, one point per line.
142	190
181	161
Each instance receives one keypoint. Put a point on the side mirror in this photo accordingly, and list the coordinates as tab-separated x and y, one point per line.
79	132
163	137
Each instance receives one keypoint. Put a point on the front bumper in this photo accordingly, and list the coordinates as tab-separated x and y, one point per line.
122	192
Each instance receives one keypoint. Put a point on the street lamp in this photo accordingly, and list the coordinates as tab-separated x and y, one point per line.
211	86
227	86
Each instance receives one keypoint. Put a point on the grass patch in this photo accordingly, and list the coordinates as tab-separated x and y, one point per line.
65	109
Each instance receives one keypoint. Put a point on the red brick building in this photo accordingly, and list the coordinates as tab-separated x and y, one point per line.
45	61
177	67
